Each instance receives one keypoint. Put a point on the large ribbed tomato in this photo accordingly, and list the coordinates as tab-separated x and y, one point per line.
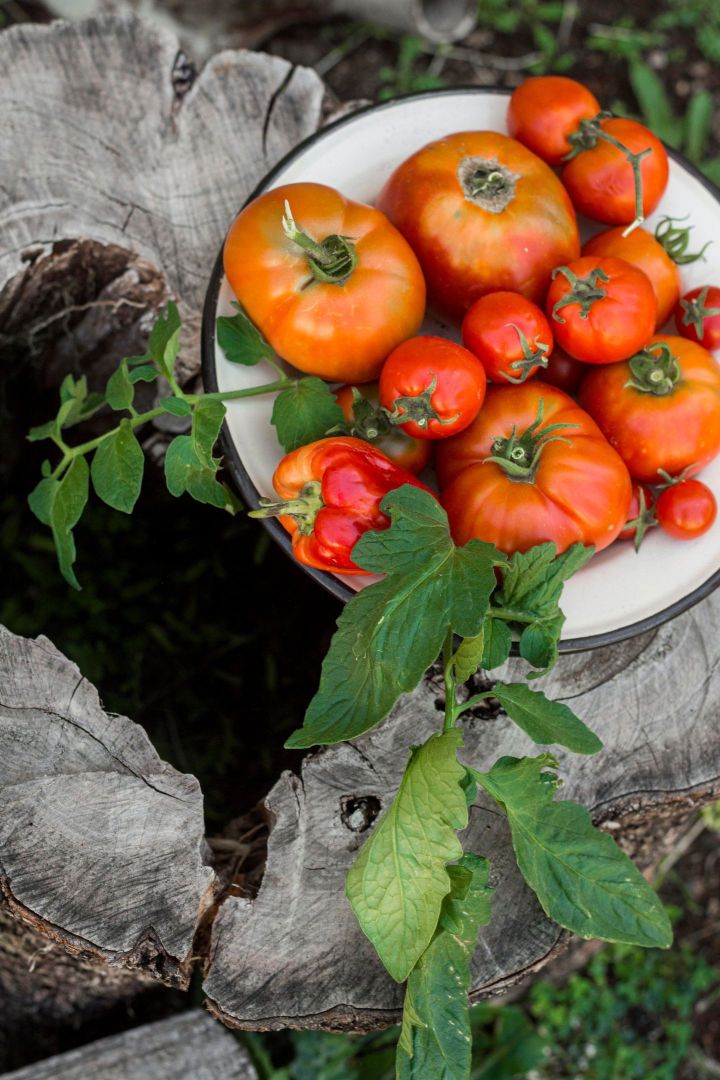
532	468
331	283
482	213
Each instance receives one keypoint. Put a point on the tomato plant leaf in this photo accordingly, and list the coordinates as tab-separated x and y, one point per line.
176	406
468	656
206	423
42	431
63	504
539	644
578	873
305	411
240	339
143	373
497	642
533	581
546	721
390	633
117	469
185	472
435	1038
398	881
164	341
120	390
41	497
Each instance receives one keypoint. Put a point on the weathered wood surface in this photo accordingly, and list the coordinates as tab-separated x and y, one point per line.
295	955
191	1046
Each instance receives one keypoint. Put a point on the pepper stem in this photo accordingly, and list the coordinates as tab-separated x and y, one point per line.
535	355
519	455
304	508
418	408
583	291
654	370
331	260
675	240
695	312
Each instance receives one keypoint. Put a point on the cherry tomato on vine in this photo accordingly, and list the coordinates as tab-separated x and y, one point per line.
361	409
546	110
641	515
331	283
642	250
509	335
660	409
532	468
697	316
438	385
601	309
563	372
686	510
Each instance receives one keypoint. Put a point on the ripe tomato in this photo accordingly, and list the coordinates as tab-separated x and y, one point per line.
686	510
437	384
516	479
509	335
641	515
564	372
641	249
600	180
544	111
482	213
333	288
361	409
660	409
697	316
601	309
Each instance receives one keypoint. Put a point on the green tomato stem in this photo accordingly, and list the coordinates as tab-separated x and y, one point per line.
450	683
233	395
472	702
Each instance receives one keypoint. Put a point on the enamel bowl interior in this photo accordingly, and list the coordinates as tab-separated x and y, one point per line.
620	593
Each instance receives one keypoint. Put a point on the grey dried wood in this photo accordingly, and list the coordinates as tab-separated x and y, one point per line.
191	1046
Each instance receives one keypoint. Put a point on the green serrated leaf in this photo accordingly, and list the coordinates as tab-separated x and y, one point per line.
580	876
546	722
304	412
435	1038
117	469
397	883
120	391
175	406
184	472
539	644
65	509
390	633
497	643
468	656
164	340
240	339
207	421
144	373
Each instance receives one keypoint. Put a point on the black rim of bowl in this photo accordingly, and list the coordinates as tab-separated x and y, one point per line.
234	463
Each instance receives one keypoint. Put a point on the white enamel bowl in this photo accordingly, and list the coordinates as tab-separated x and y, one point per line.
620	593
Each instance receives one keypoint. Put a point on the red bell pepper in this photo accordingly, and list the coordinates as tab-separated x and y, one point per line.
331	492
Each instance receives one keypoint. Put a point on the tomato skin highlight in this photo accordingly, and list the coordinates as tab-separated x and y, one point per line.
677	431
339	331
404	451
617	324
642	250
545	110
580	491
458	395
600	181
686	510
507	236
491	330
708	299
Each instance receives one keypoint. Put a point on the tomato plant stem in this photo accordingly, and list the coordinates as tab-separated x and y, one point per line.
450	684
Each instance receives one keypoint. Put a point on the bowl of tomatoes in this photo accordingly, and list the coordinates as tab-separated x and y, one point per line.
578	347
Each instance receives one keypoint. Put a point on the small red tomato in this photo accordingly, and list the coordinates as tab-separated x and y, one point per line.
602	309
564	372
436	384
361	408
697	316
686	510
545	110
509	335
641	515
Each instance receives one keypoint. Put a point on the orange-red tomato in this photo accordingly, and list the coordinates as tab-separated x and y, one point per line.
660	409
641	249
334	288
509	335
564	372
482	213
401	448
512	482
601	309
686	510
601	181
545	110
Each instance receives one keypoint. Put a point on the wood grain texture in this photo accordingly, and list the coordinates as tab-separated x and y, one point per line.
191	1046
295	955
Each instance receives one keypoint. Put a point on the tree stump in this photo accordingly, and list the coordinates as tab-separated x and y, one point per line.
128	171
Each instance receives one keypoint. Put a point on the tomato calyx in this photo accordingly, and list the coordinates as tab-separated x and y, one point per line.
655	370
584	291
519	455
534	355
304	509
695	312
487	183
418	409
669	481
675	240
645	520
331	260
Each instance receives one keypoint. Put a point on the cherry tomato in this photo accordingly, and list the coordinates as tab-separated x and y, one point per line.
369	422
331	283
660	409
437	384
509	335
641	515
642	250
601	181
686	510
601	309
697	316
482	213
545	110
564	372
515	480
